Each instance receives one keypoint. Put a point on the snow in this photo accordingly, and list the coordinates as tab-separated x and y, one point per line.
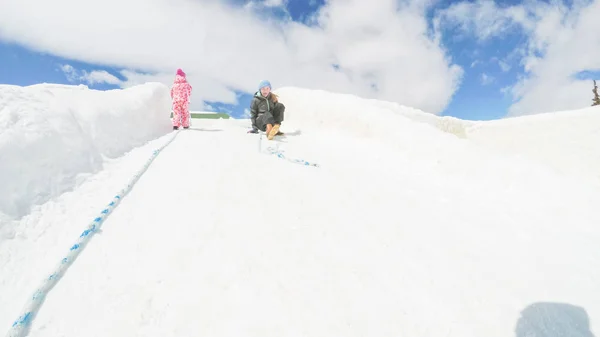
567	141
412	225
54	136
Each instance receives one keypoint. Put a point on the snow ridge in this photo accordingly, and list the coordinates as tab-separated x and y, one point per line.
53	136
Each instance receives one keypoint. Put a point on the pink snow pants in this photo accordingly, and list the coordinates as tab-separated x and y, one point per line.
181	114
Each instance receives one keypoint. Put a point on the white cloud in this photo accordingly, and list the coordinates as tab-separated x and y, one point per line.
561	41
134	78
224	48
504	65
70	72
482	18
100	76
569	41
273	3
96	76
486	79
261	5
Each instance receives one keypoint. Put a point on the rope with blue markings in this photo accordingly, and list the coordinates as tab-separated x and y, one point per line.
279	153
21	326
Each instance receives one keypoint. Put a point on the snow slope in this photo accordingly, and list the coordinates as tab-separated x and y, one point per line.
405	229
53	136
567	141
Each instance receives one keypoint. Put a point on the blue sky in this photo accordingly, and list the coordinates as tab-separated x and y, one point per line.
482	95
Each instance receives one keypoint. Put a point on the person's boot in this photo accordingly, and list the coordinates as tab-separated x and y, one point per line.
175	128
273	132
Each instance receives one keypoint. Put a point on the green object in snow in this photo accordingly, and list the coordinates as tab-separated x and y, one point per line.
216	115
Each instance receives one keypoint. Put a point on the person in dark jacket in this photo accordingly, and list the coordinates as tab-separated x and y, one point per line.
266	112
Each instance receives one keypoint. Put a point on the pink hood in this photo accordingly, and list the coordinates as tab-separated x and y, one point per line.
180	79
181	89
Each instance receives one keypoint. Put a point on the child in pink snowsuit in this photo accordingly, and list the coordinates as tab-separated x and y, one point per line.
180	93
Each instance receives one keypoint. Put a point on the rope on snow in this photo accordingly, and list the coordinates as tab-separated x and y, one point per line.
21	326
279	153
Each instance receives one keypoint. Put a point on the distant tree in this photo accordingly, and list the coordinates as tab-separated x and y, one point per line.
596	98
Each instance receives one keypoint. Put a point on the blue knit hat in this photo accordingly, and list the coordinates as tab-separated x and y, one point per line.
264	83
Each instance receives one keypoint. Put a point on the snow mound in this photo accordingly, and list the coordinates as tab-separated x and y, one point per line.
414	231
567	141
52	134
363	117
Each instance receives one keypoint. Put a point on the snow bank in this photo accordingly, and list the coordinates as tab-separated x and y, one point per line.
568	141
362	117
52	134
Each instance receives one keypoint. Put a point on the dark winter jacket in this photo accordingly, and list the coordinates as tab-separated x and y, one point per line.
260	105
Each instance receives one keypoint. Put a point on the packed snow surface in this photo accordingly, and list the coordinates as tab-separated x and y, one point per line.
412	225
